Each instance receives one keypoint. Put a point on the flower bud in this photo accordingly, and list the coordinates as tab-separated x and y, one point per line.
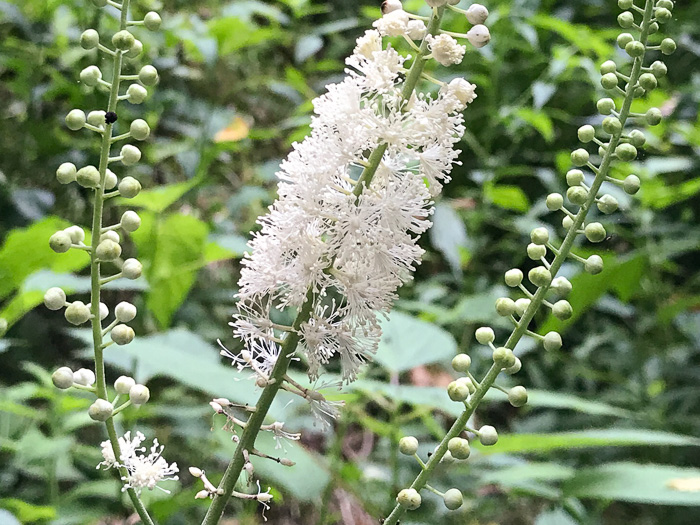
77	313
63	378
612	125
624	39
148	76
666	4
76	233
96	118
139	394
136	93
408	445
466	381
503	357
574	177
488	436
539	236
635	49
536	251
626	152
55	299
122	334
577	195
125	312
130	155
202	494
521	306
90	76
110	180
140	130
88	177
75	120
586	133
517	396
608	67
608	204
436	3
605	106
60	242
637	138
110	235
152	21
453	499
130	221
594	265
609	81
459	448
389	6
505	306
648	81
562	310
90	39
409	498
196	472
123	384
653	28
129	187
477	14
100	410
632	184
479	36
517	366
653	116
514	277
626	20
135	50
104	311
108	250
132	269
84	377
567	222
625	4
580	157
123	40
595	232
457	391
659	69
662	15
540	276
561	285
66	173
552	341
461	363
555	201
485	335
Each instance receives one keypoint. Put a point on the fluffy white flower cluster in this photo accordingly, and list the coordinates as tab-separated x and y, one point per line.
349	254
144	471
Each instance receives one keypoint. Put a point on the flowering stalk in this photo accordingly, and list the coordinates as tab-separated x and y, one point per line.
135	469
620	145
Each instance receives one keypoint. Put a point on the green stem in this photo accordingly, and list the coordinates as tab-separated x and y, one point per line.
95	288
247	441
537	301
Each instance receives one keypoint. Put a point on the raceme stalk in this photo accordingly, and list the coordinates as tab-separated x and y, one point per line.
617	143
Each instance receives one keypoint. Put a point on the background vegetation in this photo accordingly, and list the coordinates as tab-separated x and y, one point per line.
610	435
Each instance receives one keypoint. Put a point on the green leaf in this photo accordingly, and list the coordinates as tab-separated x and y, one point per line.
506	197
547	399
528	471
408	342
653	484
538	120
449	236
26	512
158	199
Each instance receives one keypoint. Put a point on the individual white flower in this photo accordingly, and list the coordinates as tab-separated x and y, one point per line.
280	434
393	23
146	471
462	90
416	29
445	49
368	44
128	448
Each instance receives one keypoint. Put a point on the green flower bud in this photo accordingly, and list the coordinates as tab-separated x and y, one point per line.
136	93
409	498
139	394
586	133
608	67
55	299
503	357
605	106
111	236
96	118
152	21
108	250
580	157
461	363
637	138
539	236
66	173
129	187
130	155
135	50
457	391
555	201
594	265
626	152
453	499
517	366
577	195
540	276
612	125
632	184
130	221
625	4
517	396
653	28
122	334
639	92
626	20
505	306
132	269
635	49
90	76
125	312
562	310
488	436
608	204
100	410
595	232
466	381
485	335
602	150
659	69
514	277
459	448
567	222
648	81
84	377
666	4
60	242
90	39
99	3
104	311
552	341
77	313
662	15
148	76
653	116
536	251
111	180
124	384
140	129
624	39
609	81
561	285
75	120
408	445
77	234
63	378
123	40
88	177
574	177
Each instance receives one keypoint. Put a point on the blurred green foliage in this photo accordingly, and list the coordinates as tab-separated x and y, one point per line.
605	437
